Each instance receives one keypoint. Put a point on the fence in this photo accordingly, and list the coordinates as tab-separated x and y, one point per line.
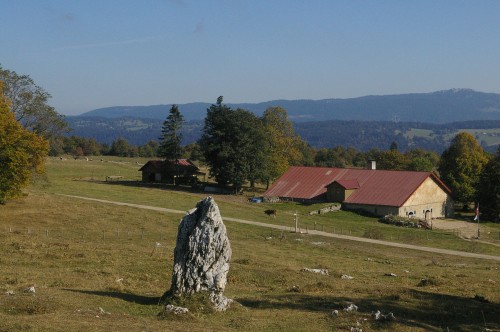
153	237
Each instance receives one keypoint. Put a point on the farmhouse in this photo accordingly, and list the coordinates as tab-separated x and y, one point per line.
175	172
380	192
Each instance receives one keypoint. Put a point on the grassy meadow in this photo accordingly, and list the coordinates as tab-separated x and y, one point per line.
103	267
490	137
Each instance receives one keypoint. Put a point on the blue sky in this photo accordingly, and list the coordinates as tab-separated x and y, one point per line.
97	53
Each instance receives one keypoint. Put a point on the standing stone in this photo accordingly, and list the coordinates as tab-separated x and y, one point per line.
202	254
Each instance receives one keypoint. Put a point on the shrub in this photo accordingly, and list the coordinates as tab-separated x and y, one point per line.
400	221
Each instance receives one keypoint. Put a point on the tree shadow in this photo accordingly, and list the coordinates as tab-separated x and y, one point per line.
154	185
139	299
415	308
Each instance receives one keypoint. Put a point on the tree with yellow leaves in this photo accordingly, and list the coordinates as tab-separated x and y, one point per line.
282	144
22	152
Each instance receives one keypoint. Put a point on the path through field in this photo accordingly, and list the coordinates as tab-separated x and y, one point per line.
311	232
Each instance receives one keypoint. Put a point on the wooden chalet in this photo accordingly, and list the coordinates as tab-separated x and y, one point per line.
180	171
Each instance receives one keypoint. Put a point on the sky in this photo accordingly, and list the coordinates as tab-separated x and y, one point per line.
90	54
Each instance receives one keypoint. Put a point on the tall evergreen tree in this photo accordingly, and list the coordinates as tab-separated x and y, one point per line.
230	144
171	137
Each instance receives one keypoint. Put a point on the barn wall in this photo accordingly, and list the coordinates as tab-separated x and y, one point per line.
335	193
428	200
378	210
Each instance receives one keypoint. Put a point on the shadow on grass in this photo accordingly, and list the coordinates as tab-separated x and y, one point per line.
140	184
196	189
139	299
420	309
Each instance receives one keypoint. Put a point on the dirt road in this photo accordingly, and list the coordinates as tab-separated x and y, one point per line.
311	232
466	230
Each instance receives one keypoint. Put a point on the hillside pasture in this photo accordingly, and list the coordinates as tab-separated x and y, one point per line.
489	137
98	266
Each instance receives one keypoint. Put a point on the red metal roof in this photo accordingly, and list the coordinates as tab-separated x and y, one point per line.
377	187
348	184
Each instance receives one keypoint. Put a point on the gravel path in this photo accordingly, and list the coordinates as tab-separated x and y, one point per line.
466	230
311	232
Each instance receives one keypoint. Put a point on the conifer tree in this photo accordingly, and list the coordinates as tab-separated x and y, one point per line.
171	137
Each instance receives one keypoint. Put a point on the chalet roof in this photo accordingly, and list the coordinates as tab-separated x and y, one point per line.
375	187
348	184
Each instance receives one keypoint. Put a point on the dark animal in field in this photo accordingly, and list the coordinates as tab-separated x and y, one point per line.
271	213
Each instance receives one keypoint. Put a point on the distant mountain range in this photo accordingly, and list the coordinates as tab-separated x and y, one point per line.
420	120
435	107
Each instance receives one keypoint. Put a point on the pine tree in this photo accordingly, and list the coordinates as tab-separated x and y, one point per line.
171	137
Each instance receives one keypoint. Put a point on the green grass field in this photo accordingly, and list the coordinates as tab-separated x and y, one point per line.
98	267
490	137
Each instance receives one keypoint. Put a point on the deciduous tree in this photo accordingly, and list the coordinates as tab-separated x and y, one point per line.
29	103
489	189
21	152
421	160
282	144
461	166
121	148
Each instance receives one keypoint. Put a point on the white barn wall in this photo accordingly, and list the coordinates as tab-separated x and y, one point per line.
428	197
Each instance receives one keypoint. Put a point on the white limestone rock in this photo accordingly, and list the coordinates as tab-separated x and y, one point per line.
319	271
202	254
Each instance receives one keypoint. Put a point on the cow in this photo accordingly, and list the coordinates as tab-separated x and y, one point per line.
271	213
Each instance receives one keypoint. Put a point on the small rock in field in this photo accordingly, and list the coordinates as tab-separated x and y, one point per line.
378	315
335	313
347	277
319	271
390	275
102	312
351	307
30	290
176	310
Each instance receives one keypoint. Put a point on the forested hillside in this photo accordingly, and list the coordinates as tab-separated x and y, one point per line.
361	135
434	107
137	131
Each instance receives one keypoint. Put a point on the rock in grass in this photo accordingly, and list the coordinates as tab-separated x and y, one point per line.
201	255
379	316
319	271
175	310
30	290
351	307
